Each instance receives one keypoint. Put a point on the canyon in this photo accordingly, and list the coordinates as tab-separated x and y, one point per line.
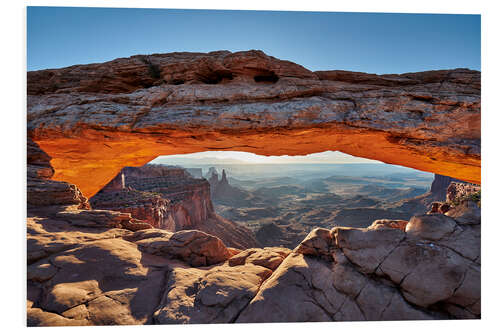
89	266
169	198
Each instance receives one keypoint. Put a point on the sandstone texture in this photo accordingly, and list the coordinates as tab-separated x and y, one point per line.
98	273
102	267
170	198
93	120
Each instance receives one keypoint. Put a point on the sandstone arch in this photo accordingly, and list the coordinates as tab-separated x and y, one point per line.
95	119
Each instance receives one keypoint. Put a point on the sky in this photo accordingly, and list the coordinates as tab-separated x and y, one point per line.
239	157
366	42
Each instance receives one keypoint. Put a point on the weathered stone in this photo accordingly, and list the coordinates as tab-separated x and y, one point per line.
367	248
195	247
103	282
95	218
93	120
44	192
269	257
218	295
298	275
427	273
135	225
318	242
466	212
46	236
388	224
430	226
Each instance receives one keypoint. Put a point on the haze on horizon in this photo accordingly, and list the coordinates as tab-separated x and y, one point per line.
239	157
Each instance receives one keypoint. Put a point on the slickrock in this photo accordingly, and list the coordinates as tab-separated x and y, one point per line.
388	224
193	246
375	274
467	212
430	226
215	296
93	120
101	282
268	257
94	218
80	275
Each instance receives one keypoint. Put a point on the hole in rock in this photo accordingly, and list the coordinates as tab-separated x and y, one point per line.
266	77
249	200
215	77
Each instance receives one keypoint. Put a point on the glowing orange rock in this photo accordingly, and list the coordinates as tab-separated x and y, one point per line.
95	119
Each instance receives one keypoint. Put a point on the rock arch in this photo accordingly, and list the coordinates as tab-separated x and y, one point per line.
92	120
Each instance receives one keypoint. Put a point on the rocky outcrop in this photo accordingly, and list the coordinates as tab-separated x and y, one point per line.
92	267
83	274
147	206
95	119
429	270
420	204
220	189
459	192
178	201
169	198
41	190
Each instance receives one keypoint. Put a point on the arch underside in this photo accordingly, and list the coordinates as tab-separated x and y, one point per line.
95	157
95	119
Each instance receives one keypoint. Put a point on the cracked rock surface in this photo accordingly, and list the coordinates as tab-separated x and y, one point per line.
90	267
93	120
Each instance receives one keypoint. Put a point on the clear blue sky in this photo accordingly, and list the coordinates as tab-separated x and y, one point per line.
375	43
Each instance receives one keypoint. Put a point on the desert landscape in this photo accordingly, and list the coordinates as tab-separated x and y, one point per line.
114	238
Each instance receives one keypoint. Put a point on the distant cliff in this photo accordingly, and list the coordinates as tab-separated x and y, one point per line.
169	198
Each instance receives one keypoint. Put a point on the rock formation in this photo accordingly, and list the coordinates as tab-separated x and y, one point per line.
169	198
420	204
82	274
95	119
90	267
100	267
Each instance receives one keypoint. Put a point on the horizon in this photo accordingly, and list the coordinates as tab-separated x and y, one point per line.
239	157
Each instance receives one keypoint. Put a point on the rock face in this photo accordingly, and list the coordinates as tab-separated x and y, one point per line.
98	267
178	201
420	204
220	189
169	198
93	120
376	274
41	190
458	192
83	274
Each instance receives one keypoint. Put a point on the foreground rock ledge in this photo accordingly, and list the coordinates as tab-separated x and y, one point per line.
428	268
93	120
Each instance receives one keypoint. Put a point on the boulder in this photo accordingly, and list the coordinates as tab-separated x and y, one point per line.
192	246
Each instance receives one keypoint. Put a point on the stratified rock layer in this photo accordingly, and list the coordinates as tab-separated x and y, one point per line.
83	274
95	119
170	198
97	267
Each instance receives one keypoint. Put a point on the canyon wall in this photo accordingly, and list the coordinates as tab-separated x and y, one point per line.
95	119
101	267
169	198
